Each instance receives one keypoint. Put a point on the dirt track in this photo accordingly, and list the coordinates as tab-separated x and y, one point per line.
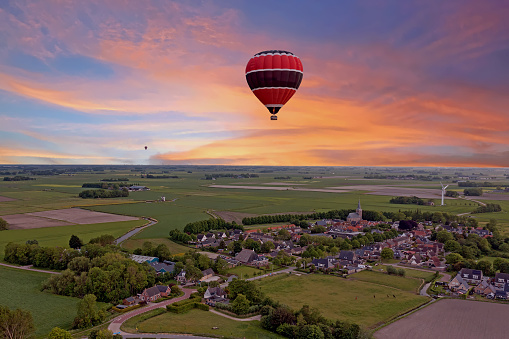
3	199
451	318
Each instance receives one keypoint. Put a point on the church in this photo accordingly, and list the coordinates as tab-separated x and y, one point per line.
355	217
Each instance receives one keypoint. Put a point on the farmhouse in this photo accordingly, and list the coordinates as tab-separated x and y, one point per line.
155	292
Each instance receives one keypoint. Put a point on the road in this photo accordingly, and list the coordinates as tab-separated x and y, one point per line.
256	317
28	268
136	230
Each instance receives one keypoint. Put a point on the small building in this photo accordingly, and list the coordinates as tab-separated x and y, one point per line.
501	279
155	292
164	267
140	259
181	277
246	256
135	188
208	273
457	284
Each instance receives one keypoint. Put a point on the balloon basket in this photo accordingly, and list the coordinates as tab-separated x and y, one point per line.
273	117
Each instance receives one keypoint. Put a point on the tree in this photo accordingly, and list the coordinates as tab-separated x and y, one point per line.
240	305
87	312
444	236
486	267
452	246
75	242
387	253
17	324
58	333
453	258
3	225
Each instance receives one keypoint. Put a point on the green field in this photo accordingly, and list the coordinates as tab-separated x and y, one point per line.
200	322
21	289
426	275
59	236
364	303
379	278
241	271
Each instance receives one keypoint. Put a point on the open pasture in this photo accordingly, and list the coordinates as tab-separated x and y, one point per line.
27	221
402	283
364	303
21	289
59	236
451	318
200	323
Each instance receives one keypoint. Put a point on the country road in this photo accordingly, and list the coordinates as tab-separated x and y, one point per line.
28	268
136	230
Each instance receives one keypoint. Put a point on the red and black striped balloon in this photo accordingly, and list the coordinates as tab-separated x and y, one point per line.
274	77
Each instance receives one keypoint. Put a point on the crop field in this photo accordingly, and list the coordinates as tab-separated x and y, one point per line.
59	236
451	318
201	322
402	283
21	289
357	301
63	217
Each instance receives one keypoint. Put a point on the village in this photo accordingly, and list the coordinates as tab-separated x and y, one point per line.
297	250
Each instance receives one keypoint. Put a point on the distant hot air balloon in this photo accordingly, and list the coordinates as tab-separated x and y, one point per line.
146	147
274	77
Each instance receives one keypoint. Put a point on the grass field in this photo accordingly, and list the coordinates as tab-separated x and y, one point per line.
401	283
174	248
21	289
412	273
357	301
59	236
200	323
241	271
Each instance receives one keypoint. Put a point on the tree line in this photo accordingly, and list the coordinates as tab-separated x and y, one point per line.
101	193
203	226
18	178
475	184
407	200
488	208
104	185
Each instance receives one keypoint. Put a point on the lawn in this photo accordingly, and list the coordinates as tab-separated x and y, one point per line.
174	248
426	275
21	289
200	322
401	283
357	301
59	236
241	271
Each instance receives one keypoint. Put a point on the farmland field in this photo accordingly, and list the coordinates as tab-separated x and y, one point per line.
21	289
59	236
402	283
200	323
174	248
357	301
451	318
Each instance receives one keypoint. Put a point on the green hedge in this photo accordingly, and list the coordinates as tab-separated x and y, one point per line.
186	307
119	310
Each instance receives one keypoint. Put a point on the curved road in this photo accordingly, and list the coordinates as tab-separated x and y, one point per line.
136	230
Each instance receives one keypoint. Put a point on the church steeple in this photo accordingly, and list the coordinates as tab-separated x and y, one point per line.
359	209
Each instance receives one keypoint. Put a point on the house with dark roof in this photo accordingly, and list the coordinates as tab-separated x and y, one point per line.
501	279
347	256
181	277
323	263
208	273
155	292
162	268
214	292
457	284
471	276
246	256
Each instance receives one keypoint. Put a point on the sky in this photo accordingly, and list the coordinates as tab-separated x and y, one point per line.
386	83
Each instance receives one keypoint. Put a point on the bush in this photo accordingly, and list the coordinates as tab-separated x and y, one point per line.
127	309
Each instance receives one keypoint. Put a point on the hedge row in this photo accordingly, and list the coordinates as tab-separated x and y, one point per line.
130	308
186	307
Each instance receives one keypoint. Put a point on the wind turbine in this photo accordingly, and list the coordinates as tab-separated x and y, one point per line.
443	192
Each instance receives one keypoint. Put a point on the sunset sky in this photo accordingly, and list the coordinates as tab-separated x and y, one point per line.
388	83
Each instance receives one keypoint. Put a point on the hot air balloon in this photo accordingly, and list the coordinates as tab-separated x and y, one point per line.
274	77
146	147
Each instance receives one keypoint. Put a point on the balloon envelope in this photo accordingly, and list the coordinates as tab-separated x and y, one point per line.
274	76
146	147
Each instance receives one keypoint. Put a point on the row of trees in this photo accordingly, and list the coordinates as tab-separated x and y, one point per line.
18	178
104	185
101	193
407	200
473	191
203	226
488	208
475	184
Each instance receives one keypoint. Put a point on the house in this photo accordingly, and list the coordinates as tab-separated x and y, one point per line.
471	276
323	263
457	284
246	256
201	237
214	292
140	259
348	256
501	279
181	277
155	292
162	268
485	288
208	273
